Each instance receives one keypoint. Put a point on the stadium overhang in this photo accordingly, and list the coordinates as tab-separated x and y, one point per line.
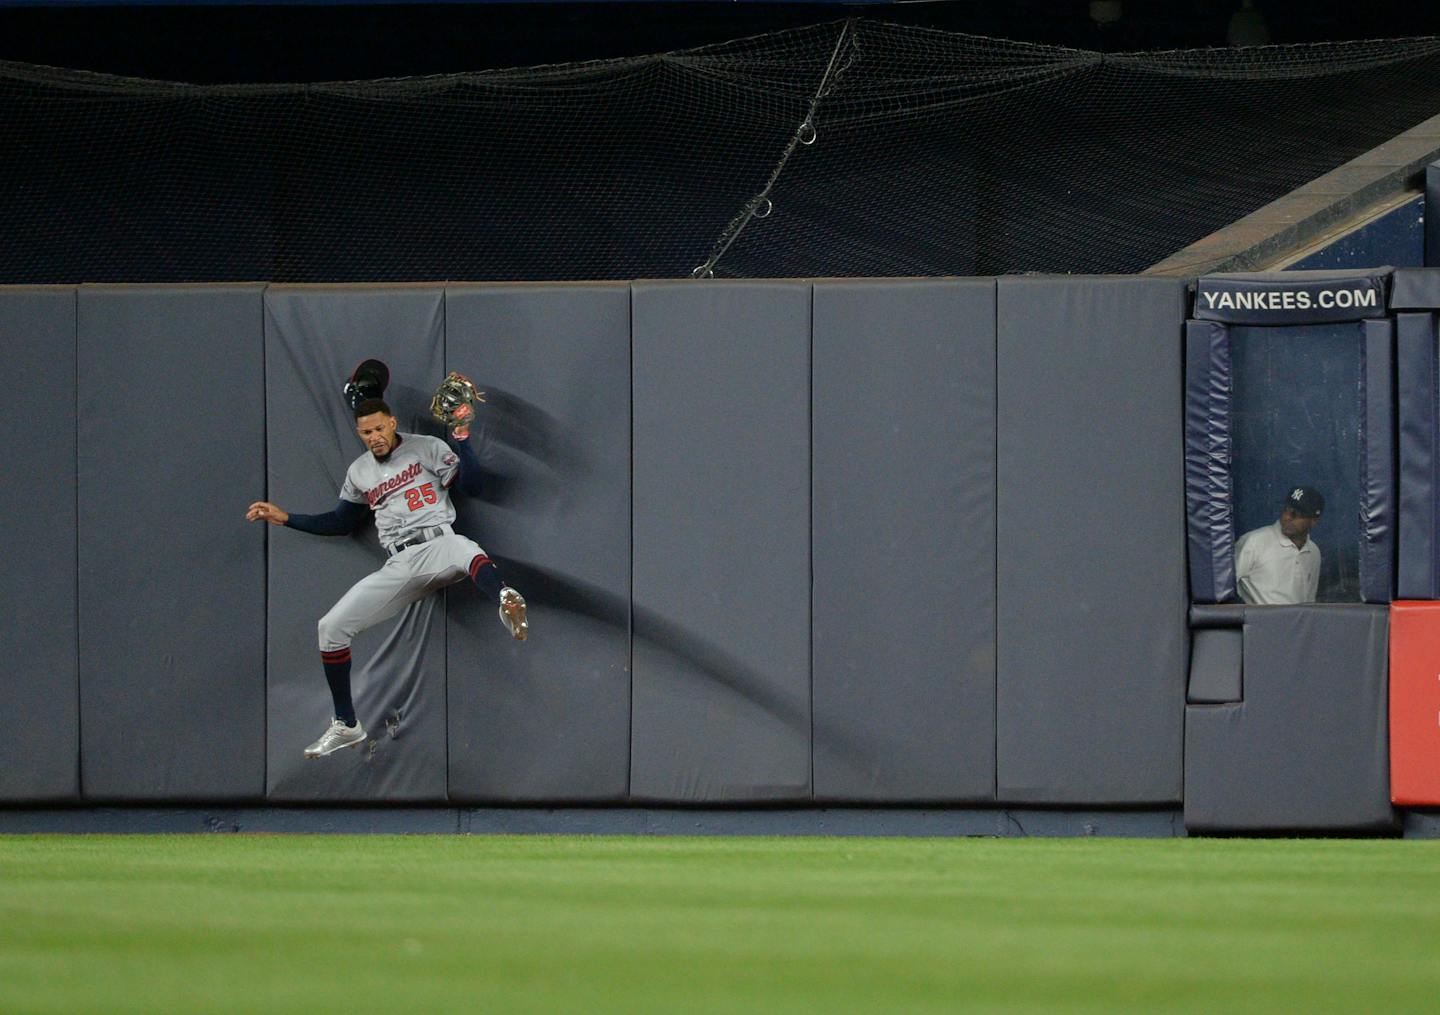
1331	205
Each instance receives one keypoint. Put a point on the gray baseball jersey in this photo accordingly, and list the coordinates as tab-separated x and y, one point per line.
409	491
410	494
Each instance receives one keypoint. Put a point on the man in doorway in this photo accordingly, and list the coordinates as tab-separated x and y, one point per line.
1279	564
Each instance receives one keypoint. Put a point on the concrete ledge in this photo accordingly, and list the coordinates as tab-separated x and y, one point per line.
186	820
833	821
830	821
1353	192
837	821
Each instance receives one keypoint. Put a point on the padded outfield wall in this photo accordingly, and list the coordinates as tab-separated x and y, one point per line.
917	542
783	542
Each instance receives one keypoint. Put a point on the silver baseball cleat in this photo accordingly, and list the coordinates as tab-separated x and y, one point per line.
512	613
333	739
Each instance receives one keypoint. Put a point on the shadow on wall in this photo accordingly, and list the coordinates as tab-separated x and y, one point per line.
530	459
548	461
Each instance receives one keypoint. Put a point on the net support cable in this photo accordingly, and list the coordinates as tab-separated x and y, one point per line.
760	206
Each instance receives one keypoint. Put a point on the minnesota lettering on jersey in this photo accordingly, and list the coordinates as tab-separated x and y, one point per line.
377	493
409	490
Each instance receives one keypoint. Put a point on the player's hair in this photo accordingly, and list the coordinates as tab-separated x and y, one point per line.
372	405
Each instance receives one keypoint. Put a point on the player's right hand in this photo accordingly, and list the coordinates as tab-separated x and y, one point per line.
264	511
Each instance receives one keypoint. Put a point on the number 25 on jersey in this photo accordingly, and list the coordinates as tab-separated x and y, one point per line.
418	497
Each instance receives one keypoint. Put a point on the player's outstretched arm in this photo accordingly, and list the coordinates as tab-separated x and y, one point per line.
264	511
347	517
471	474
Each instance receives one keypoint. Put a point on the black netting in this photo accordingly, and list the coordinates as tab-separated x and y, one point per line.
932	153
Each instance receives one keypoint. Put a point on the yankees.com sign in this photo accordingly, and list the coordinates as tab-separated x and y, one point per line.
1289	298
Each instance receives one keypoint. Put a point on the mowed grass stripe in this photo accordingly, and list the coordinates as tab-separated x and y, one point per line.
312	923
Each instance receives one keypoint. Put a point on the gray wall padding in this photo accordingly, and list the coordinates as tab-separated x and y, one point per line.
1307	749
1216	615
904	541
39	695
1092	639
1217	666
548	719
721	709
314	339
1415	288
1417	361
172	579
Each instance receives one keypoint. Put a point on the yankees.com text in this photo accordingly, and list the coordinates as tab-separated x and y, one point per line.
1325	299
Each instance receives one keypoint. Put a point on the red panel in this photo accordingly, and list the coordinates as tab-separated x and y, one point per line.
1415	703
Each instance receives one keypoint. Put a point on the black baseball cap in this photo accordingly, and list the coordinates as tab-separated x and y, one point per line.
1305	501
368	381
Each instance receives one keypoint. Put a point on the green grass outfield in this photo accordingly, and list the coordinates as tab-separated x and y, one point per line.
321	924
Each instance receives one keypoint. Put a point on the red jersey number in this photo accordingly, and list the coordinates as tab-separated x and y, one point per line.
418	497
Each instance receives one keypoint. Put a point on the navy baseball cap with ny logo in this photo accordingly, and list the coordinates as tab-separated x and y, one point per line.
1305	501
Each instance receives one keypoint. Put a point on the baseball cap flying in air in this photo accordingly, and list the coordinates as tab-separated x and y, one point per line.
368	381
1305	501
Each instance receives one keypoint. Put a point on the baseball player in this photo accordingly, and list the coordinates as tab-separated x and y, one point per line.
404	480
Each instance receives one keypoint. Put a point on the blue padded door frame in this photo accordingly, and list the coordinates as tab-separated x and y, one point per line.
1377	507
1209	492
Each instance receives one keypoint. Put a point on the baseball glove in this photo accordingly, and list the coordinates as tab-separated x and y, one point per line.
452	403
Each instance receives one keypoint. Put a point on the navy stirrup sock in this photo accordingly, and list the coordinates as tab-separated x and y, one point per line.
486	577
337	675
